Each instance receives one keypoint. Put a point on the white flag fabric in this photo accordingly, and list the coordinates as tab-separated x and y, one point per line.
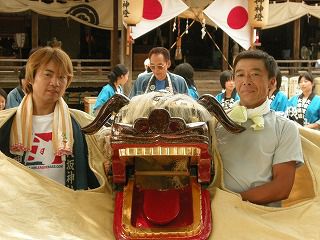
232	17
157	12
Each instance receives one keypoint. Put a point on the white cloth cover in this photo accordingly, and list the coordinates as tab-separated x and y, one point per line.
34	207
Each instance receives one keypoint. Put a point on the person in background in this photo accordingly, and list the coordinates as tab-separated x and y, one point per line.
305	107
146	65
3	99
279	100
42	133
16	95
186	71
160	78
118	77
260	162
229	95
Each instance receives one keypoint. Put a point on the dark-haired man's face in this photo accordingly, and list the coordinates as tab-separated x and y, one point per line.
252	82
159	66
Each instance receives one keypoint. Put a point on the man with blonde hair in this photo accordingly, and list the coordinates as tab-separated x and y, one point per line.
43	133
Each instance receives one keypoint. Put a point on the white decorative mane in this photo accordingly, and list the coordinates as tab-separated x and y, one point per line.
178	105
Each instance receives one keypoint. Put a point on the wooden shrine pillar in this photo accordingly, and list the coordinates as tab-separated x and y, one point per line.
34	29
296	42
225	50
114	36
296	39
127	56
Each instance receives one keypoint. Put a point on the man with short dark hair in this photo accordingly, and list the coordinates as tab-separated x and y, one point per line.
259	163
160	78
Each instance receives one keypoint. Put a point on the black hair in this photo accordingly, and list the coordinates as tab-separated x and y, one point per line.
160	50
3	93
278	79
269	62
186	71
22	74
116	72
307	76
225	76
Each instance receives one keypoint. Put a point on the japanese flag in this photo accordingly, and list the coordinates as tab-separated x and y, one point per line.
232	17
157	12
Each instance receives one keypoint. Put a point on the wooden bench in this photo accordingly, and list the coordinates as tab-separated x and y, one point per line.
77	98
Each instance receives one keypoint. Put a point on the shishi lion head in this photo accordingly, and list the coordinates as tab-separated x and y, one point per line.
161	138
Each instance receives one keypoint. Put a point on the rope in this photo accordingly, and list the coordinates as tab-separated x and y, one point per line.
174	44
215	44
224	57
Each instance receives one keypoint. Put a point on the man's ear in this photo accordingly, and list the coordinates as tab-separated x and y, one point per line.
169	63
272	82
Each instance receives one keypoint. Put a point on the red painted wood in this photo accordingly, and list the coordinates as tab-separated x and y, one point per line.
161	207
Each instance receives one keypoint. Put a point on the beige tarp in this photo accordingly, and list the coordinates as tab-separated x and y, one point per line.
99	13
282	13
279	13
298	219
33	207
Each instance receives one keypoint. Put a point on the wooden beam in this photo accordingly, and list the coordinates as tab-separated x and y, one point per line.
225	50
114	36
35	29
296	39
127	58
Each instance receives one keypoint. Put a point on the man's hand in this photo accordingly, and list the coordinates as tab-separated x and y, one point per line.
313	126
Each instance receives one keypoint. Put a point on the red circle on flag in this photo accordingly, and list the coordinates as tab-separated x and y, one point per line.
237	17
152	9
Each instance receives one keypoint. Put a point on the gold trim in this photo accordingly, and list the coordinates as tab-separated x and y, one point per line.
156	151
190	230
161	173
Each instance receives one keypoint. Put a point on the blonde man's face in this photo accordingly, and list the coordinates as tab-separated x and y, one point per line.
49	84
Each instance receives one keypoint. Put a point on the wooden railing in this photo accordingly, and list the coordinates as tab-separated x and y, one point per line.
93	72
91	66
87	72
294	67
